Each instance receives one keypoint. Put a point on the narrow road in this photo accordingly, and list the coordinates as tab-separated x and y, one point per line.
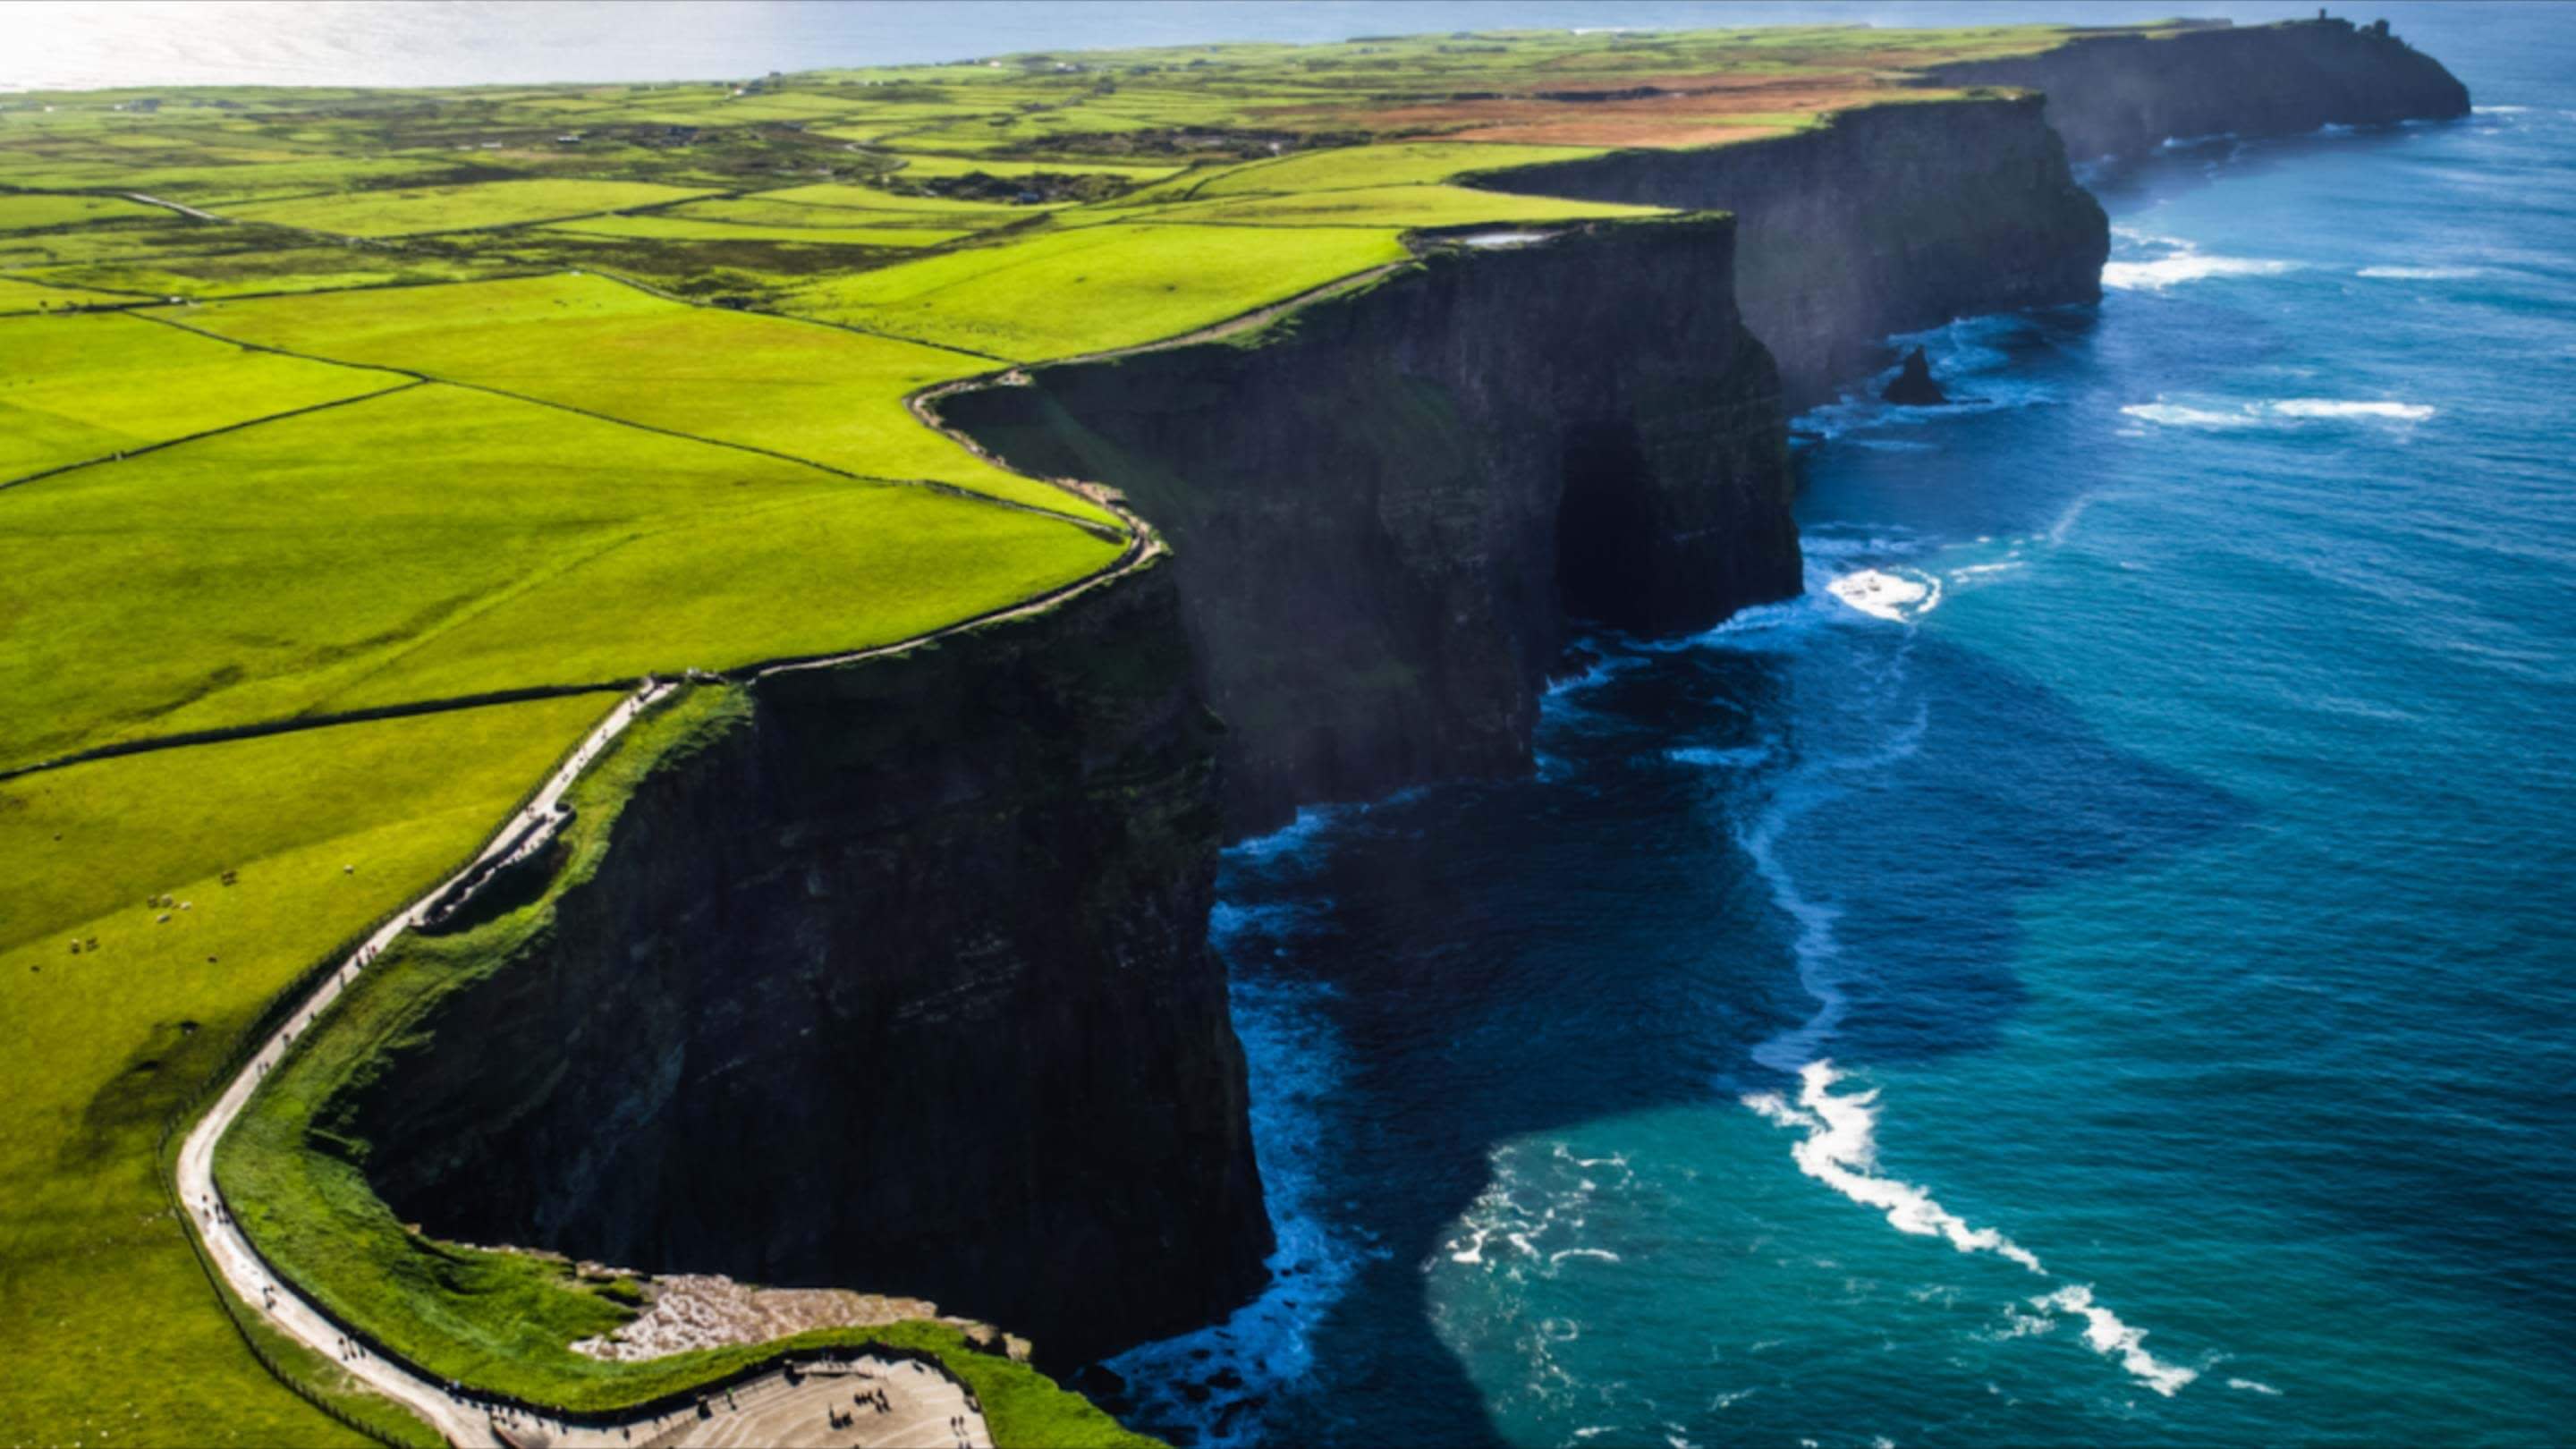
922	1405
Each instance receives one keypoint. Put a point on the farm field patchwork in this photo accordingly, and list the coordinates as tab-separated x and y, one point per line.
436	542
688	229
18	296
80	387
412	212
820	394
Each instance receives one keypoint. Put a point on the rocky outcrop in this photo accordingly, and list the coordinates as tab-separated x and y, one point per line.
900	980
1388	508
2120	96
1914	387
1889	218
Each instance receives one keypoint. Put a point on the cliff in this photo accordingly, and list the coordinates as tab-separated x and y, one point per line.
1889	218
899	980
1387	508
2121	96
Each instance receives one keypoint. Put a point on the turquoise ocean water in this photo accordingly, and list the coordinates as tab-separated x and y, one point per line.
2095	970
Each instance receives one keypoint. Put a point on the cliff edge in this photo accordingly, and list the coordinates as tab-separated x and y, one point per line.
1388	507
900	980
1888	218
2118	97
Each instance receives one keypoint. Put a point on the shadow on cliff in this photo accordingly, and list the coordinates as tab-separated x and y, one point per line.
1507	959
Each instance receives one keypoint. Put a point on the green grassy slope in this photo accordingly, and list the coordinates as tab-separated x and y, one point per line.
108	1324
1097	287
821	394
436	542
78	388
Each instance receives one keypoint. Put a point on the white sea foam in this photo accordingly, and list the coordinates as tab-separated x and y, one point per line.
2254	1386
1900	596
2421	274
2499	110
1840	1150
2175	415
2105	1334
2255	415
2318	407
1268	1343
2186	266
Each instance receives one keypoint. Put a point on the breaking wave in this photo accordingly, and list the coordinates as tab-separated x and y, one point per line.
2255	415
1840	1150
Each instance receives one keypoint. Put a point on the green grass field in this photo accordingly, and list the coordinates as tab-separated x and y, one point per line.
18	296
688	229
820	394
81	387
411	212
21	213
1388	206
1096	288
869	198
110	1328
437	542
1409	163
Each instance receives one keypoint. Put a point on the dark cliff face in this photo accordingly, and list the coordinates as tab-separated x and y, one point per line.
1386	509
1890	219
2121	96
901	983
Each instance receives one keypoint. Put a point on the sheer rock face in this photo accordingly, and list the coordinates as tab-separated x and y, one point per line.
1388	509
2119	97
1892	218
900	984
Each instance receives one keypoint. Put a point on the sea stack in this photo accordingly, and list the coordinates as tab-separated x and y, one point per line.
1914	387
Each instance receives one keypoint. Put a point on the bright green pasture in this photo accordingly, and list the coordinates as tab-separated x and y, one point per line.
504	1320
1095	288
19	213
1402	206
919	166
413	211
220	272
823	394
18	296
437	542
1405	163
199	179
688	229
757	211
83	386
868	198
112	1333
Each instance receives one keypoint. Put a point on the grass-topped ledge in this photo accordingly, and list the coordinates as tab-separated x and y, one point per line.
293	1172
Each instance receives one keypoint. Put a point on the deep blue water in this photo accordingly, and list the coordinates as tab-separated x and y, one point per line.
2116	992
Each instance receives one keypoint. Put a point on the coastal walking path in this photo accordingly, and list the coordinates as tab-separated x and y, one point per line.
925	1408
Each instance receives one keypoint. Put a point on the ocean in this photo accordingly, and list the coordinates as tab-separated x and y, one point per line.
2096	969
